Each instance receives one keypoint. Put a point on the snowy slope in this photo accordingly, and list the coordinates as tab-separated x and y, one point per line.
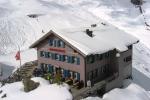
45	91
18	29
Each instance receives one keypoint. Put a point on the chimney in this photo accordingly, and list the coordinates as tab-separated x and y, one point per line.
89	33
93	25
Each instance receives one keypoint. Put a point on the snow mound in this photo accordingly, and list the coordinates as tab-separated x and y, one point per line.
45	91
132	92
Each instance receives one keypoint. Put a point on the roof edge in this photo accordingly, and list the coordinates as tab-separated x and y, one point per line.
40	39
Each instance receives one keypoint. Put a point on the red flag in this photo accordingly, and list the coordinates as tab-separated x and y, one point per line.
17	55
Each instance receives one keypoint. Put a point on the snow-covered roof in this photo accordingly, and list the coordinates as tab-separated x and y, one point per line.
106	38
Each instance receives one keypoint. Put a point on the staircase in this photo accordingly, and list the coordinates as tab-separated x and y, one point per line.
25	70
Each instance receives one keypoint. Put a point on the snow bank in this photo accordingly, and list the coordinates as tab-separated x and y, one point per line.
132	92
45	91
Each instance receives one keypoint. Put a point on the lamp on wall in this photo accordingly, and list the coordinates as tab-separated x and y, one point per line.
117	55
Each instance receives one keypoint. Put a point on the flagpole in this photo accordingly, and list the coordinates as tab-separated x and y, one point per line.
20	56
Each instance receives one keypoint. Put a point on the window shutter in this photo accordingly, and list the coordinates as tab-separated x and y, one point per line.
41	54
62	44
78	76
46	55
78	61
67	73
50	68
66	58
58	43
54	43
69	59
50	55
59	57
50	42
53	56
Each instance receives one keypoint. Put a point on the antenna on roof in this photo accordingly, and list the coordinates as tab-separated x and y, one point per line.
89	33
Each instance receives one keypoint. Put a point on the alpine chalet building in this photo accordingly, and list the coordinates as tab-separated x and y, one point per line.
97	53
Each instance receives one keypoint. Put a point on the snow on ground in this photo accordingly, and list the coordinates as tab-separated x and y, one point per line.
45	91
132	92
48	91
17	29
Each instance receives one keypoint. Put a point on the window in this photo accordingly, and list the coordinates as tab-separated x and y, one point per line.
65	73
99	56
50	42
62	44
105	68
71	59
56	43
91	59
66	58
44	67
76	60
78	76
107	54
57	57
62	57
95	73
46	55
53	56
127	59
49	55
50	68
41	54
